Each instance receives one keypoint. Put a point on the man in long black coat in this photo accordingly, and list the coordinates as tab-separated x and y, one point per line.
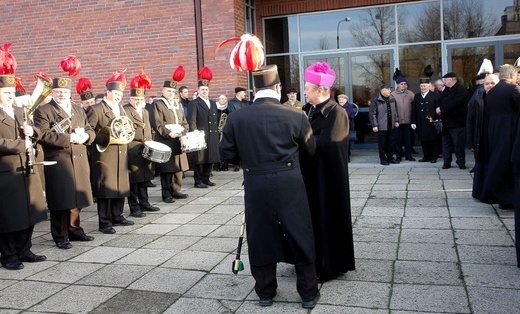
67	184
269	140
500	110
423	116
515	159
22	204
326	177
203	116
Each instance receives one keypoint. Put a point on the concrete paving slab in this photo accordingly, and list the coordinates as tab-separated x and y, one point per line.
495	276
355	293
427	273
212	219
424	211
102	255
175	218
167	280
487	237
382	210
115	275
155	229
172	242
494	300
426	236
375	250
137	302
426	223
484	223
444	252
197	305
471	211
214	286
152	257
429	298
4	283
209	244
426	202
28	270
66	272
377	222
33	292
370	270
195	260
376	235
492	255
131	240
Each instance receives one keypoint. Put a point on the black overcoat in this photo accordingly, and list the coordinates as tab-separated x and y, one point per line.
202	118
160	116
141	169
111	166
453	104
268	139
421	109
22	203
474	121
500	111
67	184
326	178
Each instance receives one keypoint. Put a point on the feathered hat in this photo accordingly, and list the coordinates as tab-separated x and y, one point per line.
205	76
397	74
177	76
428	70
83	87
485	68
248	54
72	66
117	81
139	84
20	91
7	66
517	63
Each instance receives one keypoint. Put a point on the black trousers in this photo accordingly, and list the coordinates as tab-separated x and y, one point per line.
14	245
517	218
171	183
385	141
110	210
202	172
138	198
403	138
429	150
454	141
266	284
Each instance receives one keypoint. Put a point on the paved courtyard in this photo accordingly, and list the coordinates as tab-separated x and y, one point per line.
422	244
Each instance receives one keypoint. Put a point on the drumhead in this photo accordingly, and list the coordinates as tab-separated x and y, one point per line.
157	146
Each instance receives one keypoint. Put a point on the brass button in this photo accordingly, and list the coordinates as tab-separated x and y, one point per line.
289	164
247	169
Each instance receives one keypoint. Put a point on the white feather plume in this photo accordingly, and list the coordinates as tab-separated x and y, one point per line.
485	67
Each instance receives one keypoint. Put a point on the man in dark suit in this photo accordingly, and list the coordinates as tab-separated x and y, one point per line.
203	116
423	117
65	134
453	110
278	219
22	204
141	169
111	161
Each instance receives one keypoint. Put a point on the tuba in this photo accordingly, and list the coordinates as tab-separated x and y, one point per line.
120	131
41	91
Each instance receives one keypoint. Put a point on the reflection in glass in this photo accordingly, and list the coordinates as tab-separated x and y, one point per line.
281	35
465	62
374	27
414	59
473	18
288	71
419	22
338	65
368	73
511	53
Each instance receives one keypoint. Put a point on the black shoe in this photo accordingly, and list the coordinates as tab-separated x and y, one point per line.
33	258
95	199
83	237
64	245
209	183
446	166
107	230
16	265
424	160
410	158
472	170
506	206
433	161
311	303
384	163
236	168
123	222
151	209
201	186
168	199
180	195
150	184
462	167
138	214
267	302
394	161
414	152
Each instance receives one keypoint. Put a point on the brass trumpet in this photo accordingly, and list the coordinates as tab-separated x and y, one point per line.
41	91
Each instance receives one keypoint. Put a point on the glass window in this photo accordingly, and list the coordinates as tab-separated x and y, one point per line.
466	61
511	53
419	22
480	18
289	72
281	35
366	27
413	61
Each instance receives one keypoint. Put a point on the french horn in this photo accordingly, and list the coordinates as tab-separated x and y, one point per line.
120	131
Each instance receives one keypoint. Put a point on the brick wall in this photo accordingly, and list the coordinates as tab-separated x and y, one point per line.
107	35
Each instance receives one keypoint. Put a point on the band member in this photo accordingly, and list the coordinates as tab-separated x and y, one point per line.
141	169
168	121
65	132
203	116
83	88
21	199
111	159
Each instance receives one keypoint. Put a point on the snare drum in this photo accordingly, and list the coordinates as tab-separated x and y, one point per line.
157	152
193	141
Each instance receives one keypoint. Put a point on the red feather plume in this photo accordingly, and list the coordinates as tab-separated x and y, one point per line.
119	76
19	86
7	60
83	85
248	54
71	65
178	74
44	76
141	80
205	74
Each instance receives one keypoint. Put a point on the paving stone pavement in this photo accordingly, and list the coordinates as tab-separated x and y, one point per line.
422	244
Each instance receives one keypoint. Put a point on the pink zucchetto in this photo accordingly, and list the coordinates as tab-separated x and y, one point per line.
320	74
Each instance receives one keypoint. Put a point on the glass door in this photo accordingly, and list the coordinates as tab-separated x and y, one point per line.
465	59
337	63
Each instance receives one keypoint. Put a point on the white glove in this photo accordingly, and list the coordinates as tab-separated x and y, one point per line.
74	137
82	138
414	126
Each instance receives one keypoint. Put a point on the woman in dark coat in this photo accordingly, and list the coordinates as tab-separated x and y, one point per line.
326	177
67	184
